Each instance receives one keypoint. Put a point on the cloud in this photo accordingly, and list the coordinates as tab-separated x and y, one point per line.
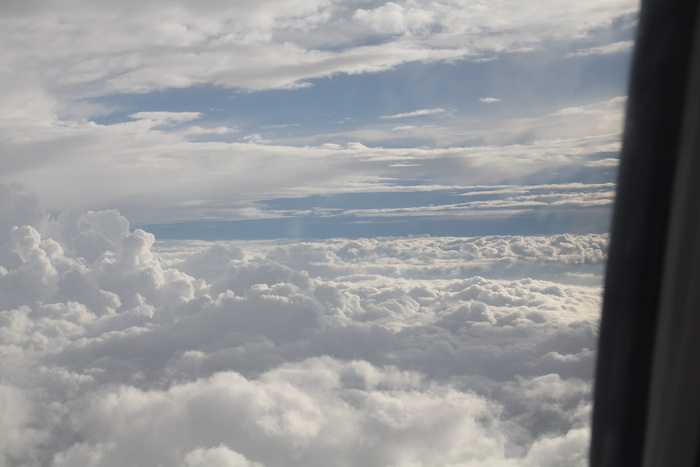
118	349
404	128
489	100
220	456
59	52
18	436
607	162
220	130
393	18
416	113
594	120
522	199
18	206
166	118
165	166
308	412
65	58
255	139
394	351
598	108
615	47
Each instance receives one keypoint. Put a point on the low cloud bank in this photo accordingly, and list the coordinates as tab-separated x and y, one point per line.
377	352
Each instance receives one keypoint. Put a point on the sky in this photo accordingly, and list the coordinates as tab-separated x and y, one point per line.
314	118
305	232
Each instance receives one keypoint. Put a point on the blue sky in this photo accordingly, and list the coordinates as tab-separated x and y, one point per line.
319	118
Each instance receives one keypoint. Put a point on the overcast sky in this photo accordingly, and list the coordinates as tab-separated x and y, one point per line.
175	111
208	219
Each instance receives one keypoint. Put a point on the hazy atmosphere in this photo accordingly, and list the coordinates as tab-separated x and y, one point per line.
305	232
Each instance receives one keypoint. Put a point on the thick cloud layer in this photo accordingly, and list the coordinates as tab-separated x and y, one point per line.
398	351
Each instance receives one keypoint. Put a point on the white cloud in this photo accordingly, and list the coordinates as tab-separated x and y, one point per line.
394	18
489	100
19	437
255	138
162	164
597	120
509	205
416	113
615	47
220	456
359	352
367	352
56	52
607	162
166	118
598	108
220	130
404	128
61	55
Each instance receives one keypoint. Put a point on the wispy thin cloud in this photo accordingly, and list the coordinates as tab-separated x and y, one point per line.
609	162
197	130
169	118
615	47
416	113
489	100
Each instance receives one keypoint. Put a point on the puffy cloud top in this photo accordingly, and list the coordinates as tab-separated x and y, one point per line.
358	352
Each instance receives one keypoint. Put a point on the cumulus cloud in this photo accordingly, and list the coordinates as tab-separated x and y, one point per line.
396	351
18	206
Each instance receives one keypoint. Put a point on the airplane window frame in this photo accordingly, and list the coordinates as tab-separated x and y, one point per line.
646	411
